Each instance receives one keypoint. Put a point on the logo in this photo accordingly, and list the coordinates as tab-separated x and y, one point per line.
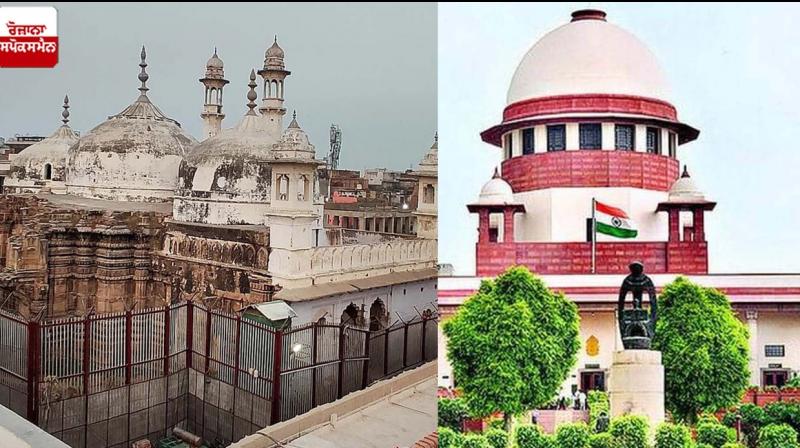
28	36
616	222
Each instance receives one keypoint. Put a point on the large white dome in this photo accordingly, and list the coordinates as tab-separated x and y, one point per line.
588	56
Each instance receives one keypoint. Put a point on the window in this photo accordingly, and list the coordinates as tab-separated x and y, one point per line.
774	351
527	141
624	137
673	145
303	187
775	378
654	140
283	187
591	135
48	172
428	193
509	145
557	137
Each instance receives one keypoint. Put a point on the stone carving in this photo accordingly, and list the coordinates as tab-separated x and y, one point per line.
637	325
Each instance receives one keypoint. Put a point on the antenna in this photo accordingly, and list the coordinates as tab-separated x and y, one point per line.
336	147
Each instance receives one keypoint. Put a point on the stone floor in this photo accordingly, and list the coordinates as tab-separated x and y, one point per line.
399	421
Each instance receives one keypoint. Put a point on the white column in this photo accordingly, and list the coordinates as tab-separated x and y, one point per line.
752	326
609	140
640	141
572	137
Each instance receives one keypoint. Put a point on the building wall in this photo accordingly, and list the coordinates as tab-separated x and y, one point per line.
401	298
560	214
773	328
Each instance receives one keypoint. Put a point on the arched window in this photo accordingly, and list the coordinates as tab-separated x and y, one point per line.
283	187
349	315
378	316
48	171
303	187
428	194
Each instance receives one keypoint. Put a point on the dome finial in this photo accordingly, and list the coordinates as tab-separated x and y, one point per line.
588	14
496	173
215	50
685	171
143	76
436	137
251	95
294	124
65	113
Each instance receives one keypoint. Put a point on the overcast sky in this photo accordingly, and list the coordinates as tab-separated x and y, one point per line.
734	75
369	68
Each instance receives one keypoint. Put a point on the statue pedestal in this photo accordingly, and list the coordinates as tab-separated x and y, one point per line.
636	385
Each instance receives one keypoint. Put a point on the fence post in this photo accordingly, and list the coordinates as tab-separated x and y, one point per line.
209	314
341	361
314	363
405	345
276	378
424	340
34	365
87	335
166	338
128	345
365	375
189	334
386	352
236	350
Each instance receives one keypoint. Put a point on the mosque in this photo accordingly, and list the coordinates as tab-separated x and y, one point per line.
604	129
137	213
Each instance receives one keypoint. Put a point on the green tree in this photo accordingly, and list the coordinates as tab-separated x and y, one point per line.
598	404
512	344
715	434
670	435
601	440
452	412
497	438
704	349
777	436
474	441
573	435
449	438
629	431
530	436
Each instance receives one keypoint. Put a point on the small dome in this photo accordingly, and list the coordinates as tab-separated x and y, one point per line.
275	51
134	155
30	163
430	162
294	143
496	192
588	56
685	190
215	61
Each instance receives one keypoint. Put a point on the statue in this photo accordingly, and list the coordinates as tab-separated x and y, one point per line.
636	326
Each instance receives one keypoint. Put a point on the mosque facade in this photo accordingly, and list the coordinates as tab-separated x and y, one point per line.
137	213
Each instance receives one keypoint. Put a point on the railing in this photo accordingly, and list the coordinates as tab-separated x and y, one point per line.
71	375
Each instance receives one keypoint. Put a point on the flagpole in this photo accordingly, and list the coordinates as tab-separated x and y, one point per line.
594	236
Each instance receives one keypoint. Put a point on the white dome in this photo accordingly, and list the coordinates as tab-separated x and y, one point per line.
496	192
685	190
589	56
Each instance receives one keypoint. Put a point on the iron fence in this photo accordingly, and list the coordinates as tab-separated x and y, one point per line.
107	380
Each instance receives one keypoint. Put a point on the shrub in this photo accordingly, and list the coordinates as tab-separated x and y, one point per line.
715	434
449	438
452	412
670	435
753	419
598	403
474	441
529	436
495	423
733	445
777	436
602	440
702	445
629	431
572	435
497	438
784	412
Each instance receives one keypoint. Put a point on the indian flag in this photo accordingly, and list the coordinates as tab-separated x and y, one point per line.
613	221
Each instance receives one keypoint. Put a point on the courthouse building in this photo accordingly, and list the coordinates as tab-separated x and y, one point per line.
604	128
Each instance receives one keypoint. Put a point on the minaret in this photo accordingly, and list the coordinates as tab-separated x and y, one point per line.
274	73
214	81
